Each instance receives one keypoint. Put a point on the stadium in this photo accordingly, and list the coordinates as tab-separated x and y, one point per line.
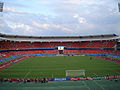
59	45
30	57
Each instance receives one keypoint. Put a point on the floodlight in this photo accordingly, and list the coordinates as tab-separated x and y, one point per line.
1	6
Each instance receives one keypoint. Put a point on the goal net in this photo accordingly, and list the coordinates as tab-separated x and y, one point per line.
75	73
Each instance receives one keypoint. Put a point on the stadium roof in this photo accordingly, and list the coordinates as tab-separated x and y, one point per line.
58	38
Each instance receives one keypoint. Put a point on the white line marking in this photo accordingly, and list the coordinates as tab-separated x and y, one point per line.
95	74
99	85
118	72
86	85
26	74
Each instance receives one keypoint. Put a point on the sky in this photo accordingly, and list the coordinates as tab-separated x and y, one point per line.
60	17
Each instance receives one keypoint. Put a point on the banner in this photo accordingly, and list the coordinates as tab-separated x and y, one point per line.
60	79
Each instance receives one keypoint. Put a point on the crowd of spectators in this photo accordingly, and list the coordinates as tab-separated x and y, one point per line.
27	45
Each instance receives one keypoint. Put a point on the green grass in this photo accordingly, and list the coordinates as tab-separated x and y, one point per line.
63	85
39	67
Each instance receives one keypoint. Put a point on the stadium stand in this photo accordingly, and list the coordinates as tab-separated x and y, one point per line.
11	45
14	48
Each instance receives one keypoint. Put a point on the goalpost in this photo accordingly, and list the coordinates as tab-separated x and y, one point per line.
75	73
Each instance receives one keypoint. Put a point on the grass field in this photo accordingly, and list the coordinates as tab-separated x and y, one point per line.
63	85
39	67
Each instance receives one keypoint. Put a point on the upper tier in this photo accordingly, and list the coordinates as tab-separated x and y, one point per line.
5	37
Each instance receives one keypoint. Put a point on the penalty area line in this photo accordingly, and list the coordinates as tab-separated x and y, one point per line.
86	85
99	85
26	74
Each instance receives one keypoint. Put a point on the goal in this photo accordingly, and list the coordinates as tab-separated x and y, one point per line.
75	73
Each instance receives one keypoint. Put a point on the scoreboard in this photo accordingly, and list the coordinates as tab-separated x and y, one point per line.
60	47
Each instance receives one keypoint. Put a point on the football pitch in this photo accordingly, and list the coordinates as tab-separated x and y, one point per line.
55	67
63	85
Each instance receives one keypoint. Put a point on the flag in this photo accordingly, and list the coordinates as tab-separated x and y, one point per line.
1	7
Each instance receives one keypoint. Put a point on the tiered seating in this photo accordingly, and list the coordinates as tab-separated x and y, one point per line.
110	43
117	52
22	45
101	44
84	44
90	51
11	53
5	45
36	45
5	54
71	51
95	44
110	59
